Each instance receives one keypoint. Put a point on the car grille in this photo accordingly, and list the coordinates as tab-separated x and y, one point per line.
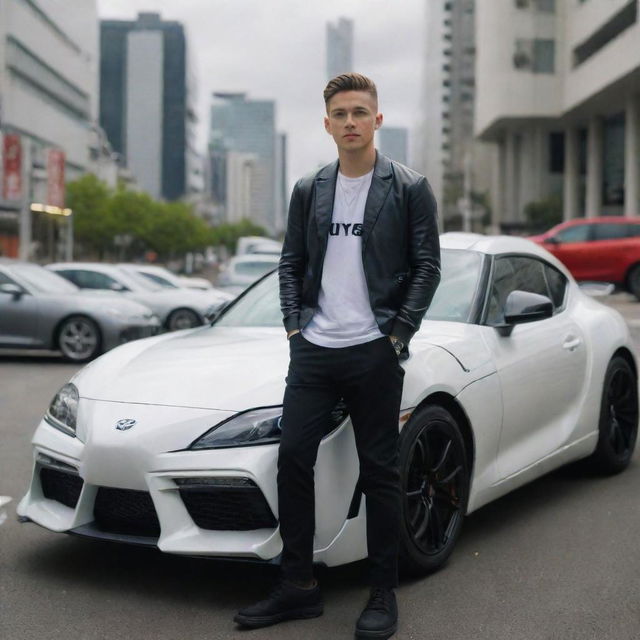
126	512
227	508
60	486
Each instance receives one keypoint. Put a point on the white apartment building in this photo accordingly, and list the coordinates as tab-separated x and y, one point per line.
558	94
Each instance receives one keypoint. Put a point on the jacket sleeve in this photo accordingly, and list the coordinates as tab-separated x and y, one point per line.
292	262
424	260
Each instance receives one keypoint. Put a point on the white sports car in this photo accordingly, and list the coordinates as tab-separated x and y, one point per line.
172	441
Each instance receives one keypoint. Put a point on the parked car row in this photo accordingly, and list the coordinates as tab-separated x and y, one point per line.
84	309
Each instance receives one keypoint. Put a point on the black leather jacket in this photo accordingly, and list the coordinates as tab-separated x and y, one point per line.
400	247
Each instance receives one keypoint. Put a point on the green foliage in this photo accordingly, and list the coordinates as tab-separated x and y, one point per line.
125	224
544	214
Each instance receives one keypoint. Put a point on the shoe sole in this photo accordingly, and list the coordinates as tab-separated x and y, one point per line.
381	634
265	621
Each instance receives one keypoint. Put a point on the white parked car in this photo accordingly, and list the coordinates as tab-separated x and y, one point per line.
166	278
173	441
176	308
242	271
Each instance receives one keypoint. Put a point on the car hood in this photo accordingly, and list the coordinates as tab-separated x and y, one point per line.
227	368
97	302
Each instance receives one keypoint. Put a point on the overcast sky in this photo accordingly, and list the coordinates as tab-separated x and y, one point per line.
275	49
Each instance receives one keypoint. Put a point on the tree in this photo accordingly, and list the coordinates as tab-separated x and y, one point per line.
88	197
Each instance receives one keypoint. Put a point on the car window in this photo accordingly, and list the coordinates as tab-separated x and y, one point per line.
5	279
557	284
38	279
154	277
575	233
633	230
254	268
518	273
90	279
608	231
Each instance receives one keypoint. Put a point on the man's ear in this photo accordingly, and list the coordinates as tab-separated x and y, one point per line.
379	119
327	126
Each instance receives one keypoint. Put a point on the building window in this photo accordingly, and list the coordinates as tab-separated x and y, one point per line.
613	160
537	56
556	152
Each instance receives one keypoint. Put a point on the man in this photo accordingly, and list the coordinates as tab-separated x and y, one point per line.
359	267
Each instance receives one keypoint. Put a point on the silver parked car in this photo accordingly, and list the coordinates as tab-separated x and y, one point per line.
176	308
41	310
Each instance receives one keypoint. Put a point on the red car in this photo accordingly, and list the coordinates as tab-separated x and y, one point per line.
599	249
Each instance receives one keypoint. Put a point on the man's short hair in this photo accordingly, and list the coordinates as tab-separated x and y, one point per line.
350	82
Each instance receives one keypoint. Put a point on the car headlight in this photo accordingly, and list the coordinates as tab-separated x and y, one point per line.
63	409
255	427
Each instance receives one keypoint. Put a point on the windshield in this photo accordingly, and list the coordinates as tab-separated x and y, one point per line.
40	280
158	279
260	307
135	281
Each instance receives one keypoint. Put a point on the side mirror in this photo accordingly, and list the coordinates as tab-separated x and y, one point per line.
523	306
552	240
12	289
116	286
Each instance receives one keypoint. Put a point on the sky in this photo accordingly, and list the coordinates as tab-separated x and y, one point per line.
275	49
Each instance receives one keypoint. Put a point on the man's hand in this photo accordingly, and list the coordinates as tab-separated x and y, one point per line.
292	333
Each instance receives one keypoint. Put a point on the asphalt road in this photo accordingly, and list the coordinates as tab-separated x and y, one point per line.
557	559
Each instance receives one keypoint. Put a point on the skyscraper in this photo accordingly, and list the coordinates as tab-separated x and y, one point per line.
146	103
339	47
242	142
452	160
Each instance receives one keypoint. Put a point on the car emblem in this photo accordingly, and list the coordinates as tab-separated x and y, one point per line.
126	423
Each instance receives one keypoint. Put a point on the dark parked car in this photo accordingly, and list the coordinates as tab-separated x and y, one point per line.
41	310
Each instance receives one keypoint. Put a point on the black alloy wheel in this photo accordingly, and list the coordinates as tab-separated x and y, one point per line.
618	425
435	489
183	319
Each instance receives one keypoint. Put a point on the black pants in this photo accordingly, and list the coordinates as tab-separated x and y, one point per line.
369	378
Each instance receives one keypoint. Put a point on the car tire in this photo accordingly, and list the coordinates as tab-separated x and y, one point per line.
79	339
434	478
618	422
633	281
183	319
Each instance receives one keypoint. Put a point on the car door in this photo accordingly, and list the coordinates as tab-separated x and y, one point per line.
541	365
18	316
573	246
614	250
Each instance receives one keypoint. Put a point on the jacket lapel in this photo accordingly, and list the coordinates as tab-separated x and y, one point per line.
325	192
380	185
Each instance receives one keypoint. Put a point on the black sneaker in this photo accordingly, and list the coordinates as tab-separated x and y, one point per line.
380	617
285	602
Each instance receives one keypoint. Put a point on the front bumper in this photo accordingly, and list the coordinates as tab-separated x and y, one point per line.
127	486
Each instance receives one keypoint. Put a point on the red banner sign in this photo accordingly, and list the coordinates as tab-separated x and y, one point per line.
55	178
11	167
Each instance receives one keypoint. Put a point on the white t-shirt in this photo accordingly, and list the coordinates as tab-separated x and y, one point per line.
344	316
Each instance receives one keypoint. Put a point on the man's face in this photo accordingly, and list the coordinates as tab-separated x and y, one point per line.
352	118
